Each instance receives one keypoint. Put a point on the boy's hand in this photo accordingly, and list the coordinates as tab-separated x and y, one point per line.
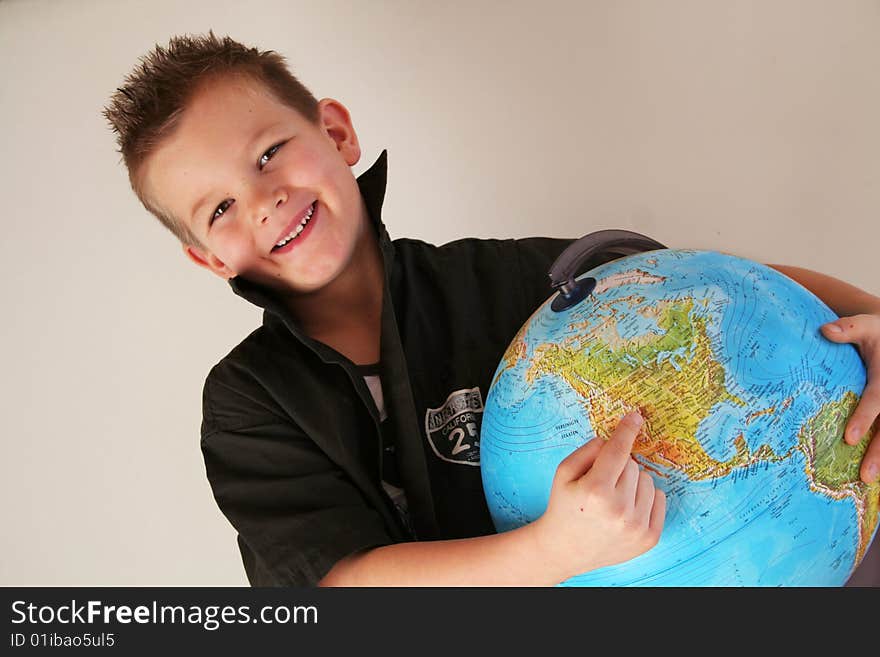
602	510
864	332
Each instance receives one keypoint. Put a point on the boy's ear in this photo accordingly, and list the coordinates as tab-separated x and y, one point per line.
208	261
335	120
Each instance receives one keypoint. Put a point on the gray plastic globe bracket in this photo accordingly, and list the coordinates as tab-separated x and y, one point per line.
613	242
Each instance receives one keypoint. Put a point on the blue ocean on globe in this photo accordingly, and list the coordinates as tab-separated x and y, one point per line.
744	402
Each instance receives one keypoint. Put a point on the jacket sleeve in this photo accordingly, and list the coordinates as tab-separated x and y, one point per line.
296	512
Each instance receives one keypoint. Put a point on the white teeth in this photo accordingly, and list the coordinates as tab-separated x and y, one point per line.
299	228
308	214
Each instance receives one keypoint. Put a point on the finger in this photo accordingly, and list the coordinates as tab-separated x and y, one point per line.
615	454
579	461
658	511
851	329
866	411
645	491
871	462
628	480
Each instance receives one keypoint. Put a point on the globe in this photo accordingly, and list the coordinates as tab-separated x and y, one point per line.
744	402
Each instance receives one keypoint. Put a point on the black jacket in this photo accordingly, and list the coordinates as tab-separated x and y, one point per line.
290	432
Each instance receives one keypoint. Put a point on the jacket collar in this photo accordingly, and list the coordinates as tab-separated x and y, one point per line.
372	183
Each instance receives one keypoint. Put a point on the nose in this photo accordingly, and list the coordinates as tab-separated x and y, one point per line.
267	204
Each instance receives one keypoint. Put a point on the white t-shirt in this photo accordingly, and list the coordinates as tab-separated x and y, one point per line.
397	495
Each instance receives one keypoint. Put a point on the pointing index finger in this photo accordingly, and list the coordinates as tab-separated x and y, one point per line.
615	454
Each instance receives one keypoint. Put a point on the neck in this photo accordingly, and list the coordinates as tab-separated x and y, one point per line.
346	314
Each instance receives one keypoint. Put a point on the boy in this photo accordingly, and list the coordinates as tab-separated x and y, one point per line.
316	434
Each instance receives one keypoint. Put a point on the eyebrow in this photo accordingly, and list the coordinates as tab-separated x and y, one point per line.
195	212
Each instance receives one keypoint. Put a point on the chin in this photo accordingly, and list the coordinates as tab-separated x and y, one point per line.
303	284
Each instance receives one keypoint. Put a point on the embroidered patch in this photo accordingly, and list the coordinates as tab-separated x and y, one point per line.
453	430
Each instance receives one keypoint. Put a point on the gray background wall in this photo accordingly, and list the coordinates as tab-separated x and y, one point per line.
741	125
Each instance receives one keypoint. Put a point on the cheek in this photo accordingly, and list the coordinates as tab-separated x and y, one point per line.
236	250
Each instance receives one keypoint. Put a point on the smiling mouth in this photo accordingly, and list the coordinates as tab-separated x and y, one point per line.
294	234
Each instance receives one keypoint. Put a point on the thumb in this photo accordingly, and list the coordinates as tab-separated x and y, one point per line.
845	329
579	461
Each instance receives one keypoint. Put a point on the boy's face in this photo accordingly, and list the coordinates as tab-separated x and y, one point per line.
244	172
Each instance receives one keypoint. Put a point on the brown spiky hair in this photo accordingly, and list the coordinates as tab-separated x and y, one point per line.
147	107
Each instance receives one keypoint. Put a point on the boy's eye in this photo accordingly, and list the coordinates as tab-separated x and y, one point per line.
223	207
269	154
